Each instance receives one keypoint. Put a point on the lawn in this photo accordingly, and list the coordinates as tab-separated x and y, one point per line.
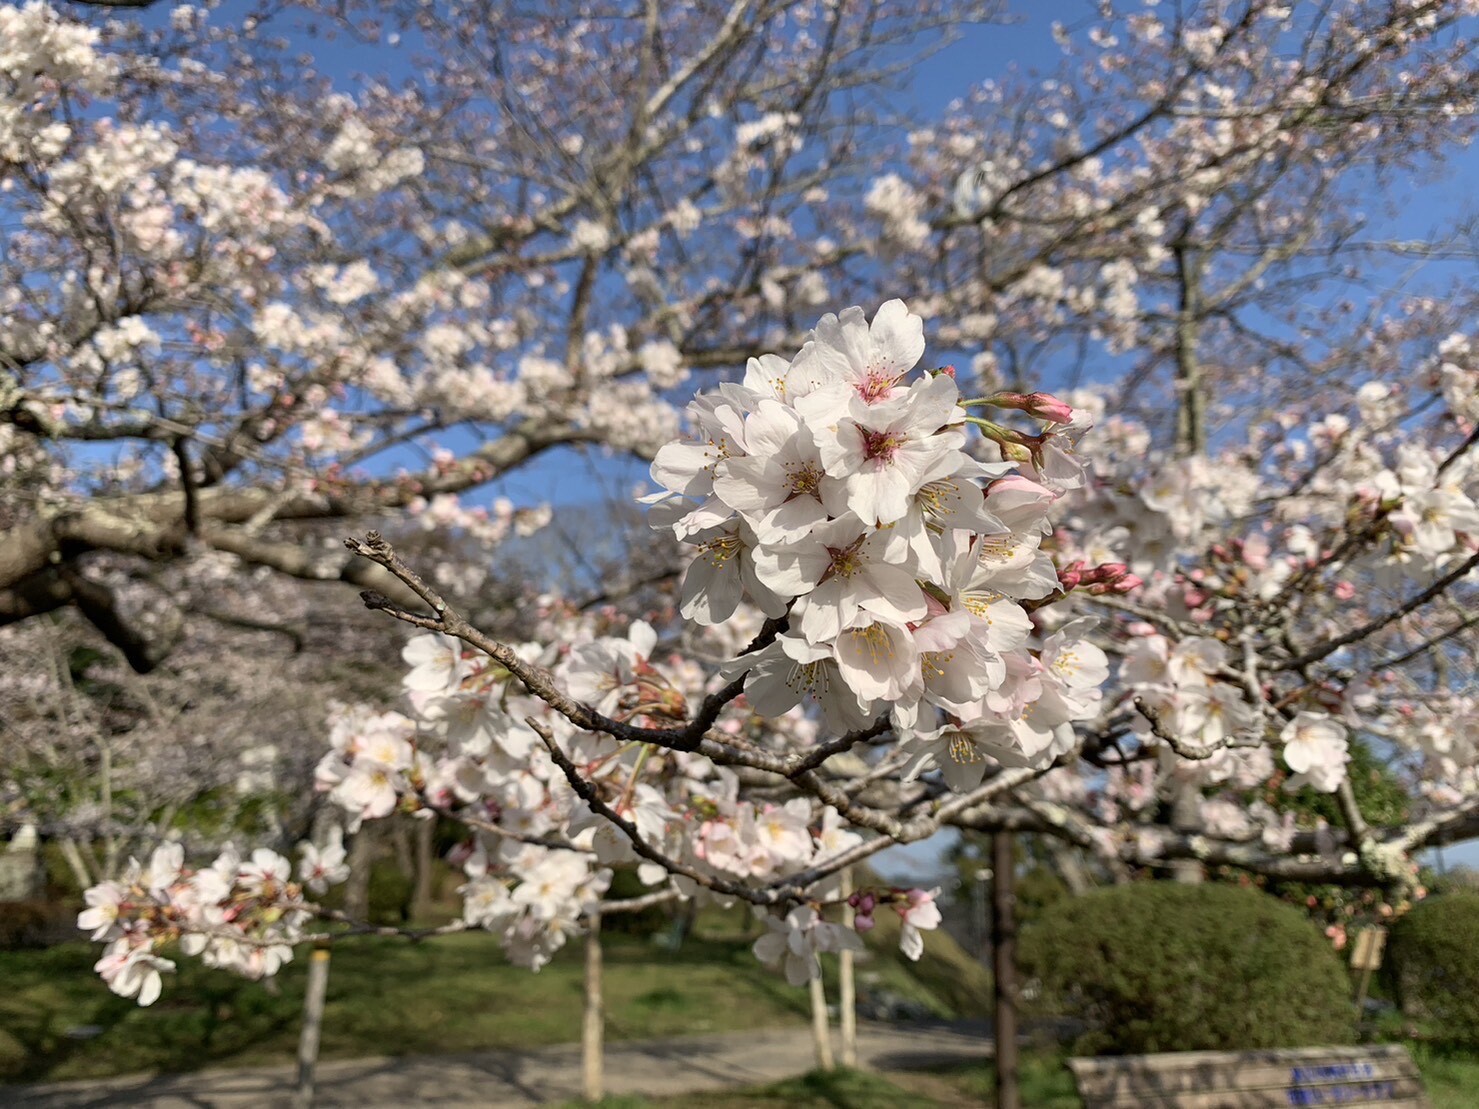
1045	1084
385	996
392	997
1452	1078
1452	1082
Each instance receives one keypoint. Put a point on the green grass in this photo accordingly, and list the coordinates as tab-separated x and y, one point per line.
1452	1082
385	996
844	1088
839	1089
1451	1077
388	996
1045	1084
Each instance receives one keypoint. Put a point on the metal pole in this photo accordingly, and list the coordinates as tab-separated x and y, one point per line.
313	1018
1003	954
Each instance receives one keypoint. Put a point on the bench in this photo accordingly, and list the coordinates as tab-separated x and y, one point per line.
1376	1075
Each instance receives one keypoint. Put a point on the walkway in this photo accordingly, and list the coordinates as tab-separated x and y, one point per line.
494	1079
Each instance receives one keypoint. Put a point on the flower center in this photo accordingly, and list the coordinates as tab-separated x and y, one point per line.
721	550
882	444
979	602
805	479
997	548
877	387
845	561
932	663
962	751
875	640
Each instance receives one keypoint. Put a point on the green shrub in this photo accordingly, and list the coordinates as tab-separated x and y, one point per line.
1432	966
1159	966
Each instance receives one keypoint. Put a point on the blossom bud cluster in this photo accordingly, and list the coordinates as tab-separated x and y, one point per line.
916	908
837	491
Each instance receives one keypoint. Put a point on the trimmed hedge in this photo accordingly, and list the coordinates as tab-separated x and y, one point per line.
1432	966
1160	966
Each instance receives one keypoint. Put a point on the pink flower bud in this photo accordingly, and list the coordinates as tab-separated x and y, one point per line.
863	923
1042	406
1045	406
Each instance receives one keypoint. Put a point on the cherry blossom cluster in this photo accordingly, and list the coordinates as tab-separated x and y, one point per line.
1180	684
538	857
1329	524
241	914
836	490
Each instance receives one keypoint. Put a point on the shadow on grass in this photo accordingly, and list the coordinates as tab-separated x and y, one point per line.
385	997
58	1018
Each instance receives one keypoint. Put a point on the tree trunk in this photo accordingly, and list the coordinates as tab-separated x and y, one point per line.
400	840
357	888
426	859
76	862
1191	423
1186	805
592	1028
1191	439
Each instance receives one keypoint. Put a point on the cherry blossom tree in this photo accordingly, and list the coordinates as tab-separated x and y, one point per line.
1082	461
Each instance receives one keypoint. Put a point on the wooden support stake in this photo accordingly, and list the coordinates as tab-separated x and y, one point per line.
847	1003
593	1026
313	1019
821	1034
1003	953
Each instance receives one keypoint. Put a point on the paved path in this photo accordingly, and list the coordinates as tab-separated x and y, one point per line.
519	1078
